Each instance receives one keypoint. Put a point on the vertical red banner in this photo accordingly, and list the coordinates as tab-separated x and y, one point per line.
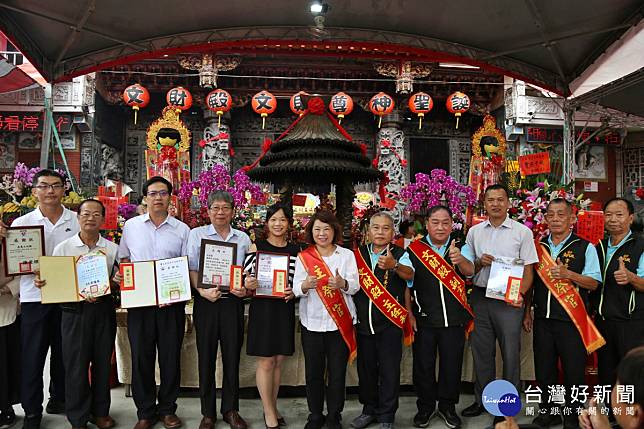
111	211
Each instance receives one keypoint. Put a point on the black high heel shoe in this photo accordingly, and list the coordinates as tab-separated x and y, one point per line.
270	427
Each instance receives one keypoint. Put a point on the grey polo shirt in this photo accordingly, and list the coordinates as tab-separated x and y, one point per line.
511	239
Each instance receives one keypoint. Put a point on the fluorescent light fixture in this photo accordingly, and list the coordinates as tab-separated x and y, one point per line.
458	66
316	7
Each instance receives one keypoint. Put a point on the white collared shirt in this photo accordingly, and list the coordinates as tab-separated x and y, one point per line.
313	315
511	239
208	232
144	241
74	246
66	226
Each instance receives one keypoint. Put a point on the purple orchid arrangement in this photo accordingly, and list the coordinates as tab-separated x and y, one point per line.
438	188
127	210
218	179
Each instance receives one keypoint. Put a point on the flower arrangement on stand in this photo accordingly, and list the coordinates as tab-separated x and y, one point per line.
194	195
529	205
18	199
125	211
439	188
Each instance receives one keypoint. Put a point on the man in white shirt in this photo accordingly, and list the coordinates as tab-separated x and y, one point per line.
219	318
494	319
40	328
88	329
153	236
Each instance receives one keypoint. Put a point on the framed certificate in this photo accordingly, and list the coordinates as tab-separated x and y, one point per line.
22	248
215	264
271	270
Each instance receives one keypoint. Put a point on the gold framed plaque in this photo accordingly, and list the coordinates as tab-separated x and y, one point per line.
22	249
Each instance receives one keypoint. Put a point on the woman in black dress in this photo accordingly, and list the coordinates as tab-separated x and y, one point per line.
271	321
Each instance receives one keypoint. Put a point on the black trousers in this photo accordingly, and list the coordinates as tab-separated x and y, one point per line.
620	336
88	339
150	329
379	358
449	343
554	340
325	353
217	322
10	365
40	330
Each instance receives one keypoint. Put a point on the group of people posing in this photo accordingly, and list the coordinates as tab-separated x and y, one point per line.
364	303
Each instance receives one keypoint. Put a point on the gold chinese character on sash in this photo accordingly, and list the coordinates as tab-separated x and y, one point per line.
376	292
561	287
396	312
388	304
338	309
570	299
318	272
456	286
430	259
327	291
442	271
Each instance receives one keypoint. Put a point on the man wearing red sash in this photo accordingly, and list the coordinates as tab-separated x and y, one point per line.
384	270
439	314
556	334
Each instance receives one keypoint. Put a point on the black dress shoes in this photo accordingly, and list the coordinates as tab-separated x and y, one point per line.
473	410
450	418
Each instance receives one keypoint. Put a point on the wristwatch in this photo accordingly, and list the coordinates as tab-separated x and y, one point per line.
396	266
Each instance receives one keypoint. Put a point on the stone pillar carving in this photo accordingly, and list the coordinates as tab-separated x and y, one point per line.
111	163
216	150
390	149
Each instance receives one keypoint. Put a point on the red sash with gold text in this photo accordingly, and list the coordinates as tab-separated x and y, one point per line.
331	298
445	274
383	299
568	296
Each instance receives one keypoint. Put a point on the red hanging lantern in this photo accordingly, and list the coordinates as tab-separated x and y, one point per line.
179	98
264	103
137	97
219	101
381	104
457	104
297	103
341	105
420	104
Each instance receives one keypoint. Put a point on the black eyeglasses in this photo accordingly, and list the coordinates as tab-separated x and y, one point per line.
54	187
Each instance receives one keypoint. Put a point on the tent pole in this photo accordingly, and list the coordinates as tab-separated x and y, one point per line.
568	144
46	127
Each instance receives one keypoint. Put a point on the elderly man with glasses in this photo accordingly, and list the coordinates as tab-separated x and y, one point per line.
218	317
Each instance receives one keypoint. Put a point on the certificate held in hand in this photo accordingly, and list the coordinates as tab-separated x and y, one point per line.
74	278
22	249
271	270
505	279
217	266
153	283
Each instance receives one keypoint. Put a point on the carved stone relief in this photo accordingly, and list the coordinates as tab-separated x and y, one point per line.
389	162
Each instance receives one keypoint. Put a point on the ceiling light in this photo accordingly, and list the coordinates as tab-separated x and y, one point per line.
319	8
457	66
